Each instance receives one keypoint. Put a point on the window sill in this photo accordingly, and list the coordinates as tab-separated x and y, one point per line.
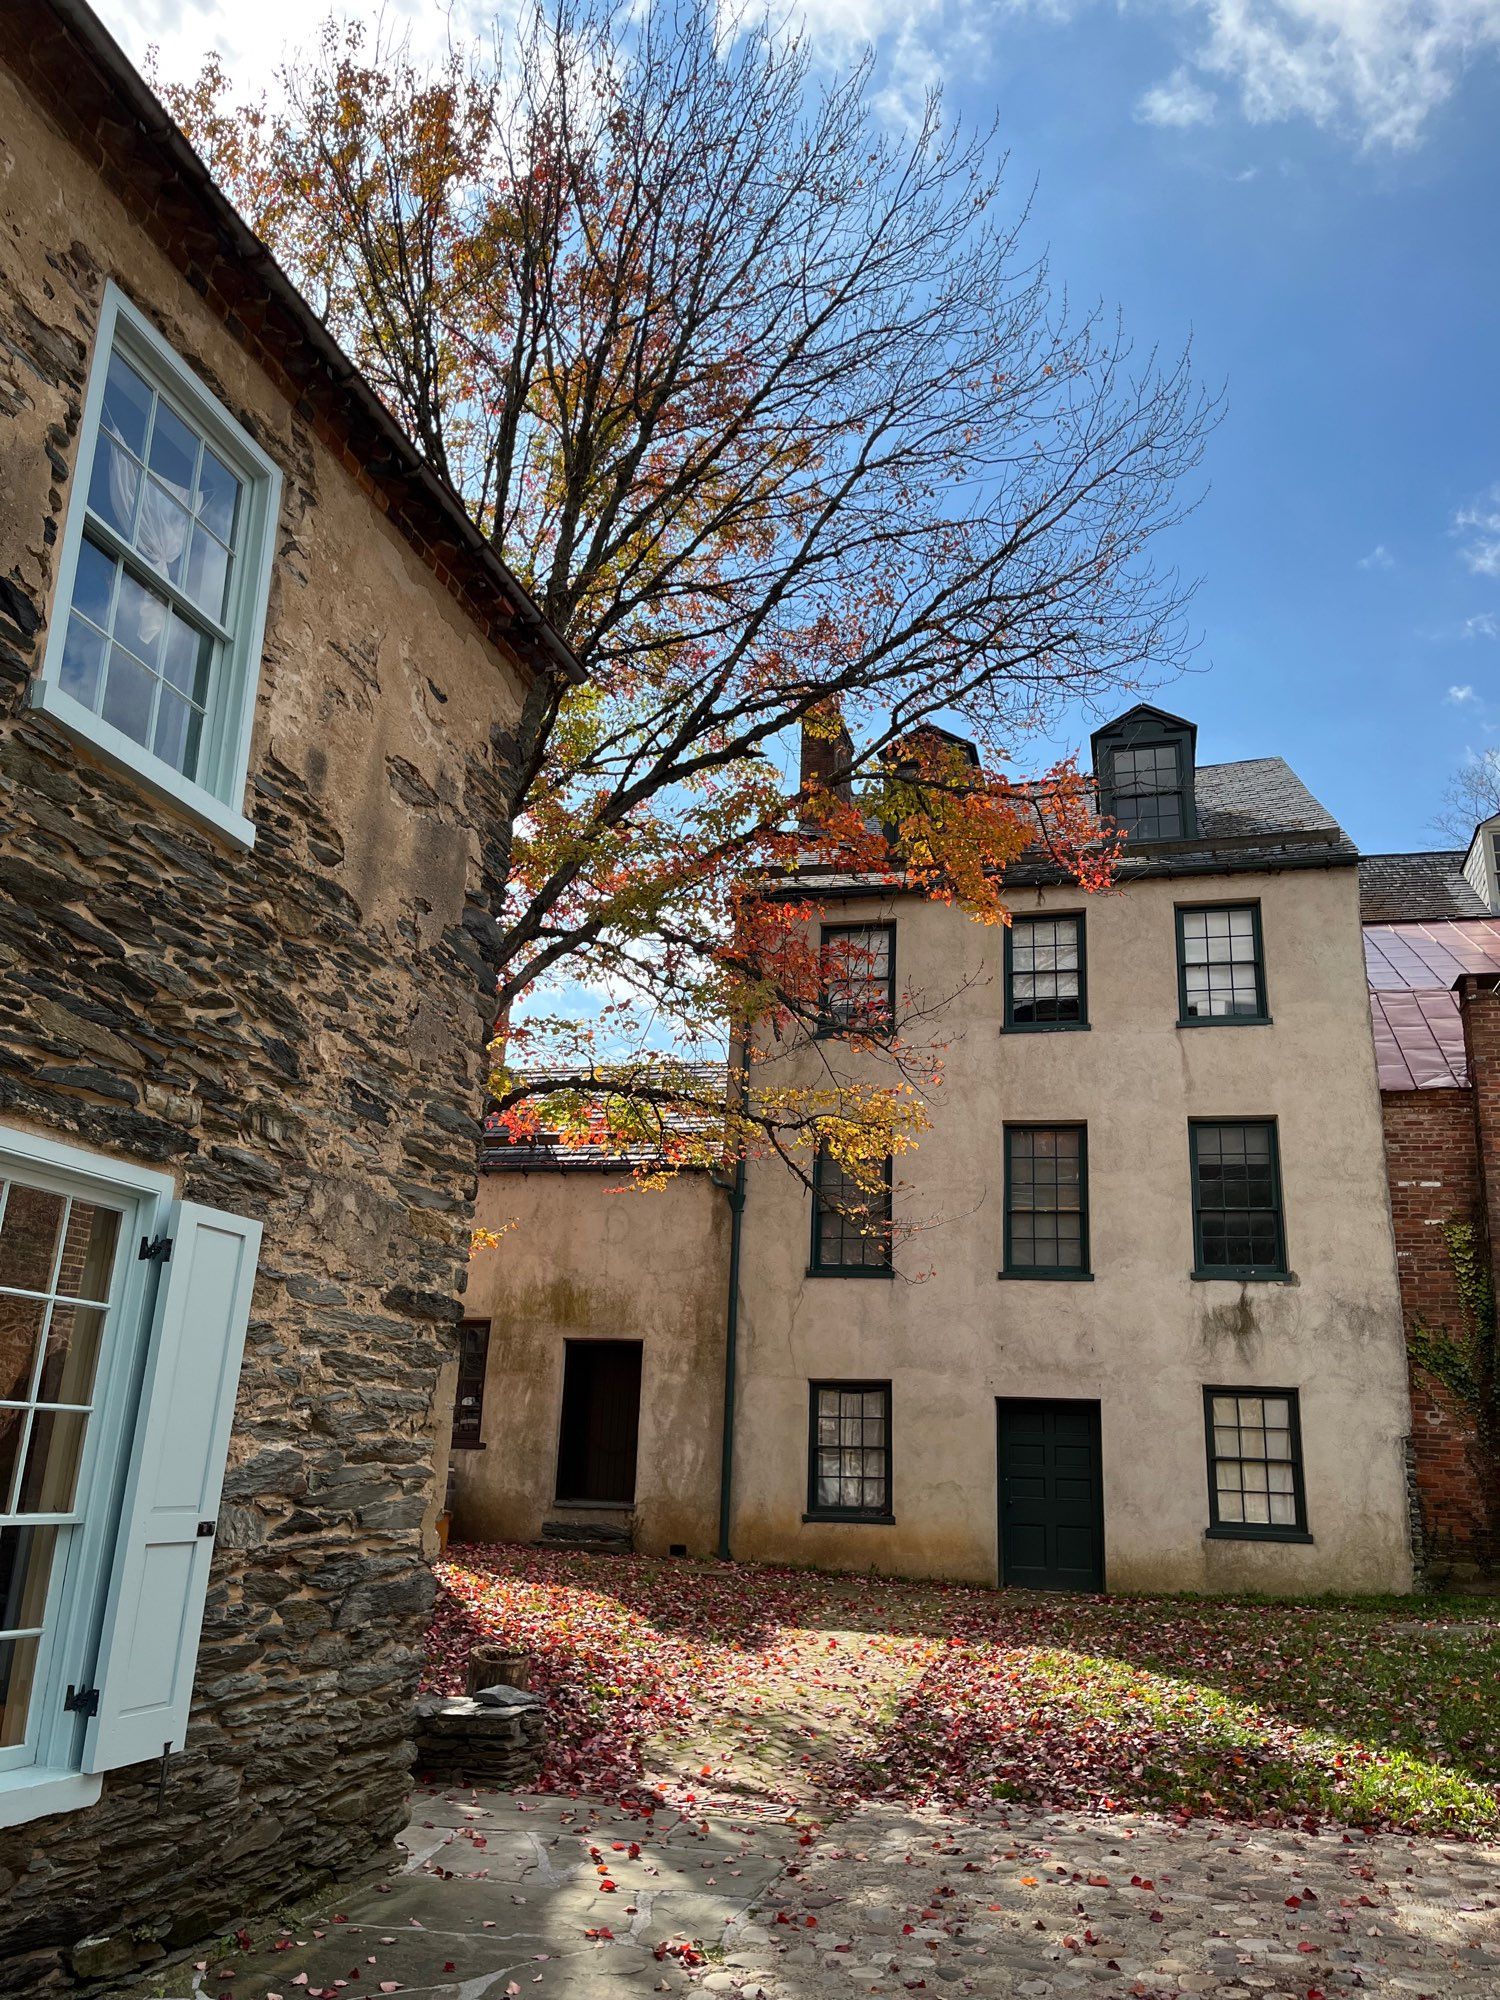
27	1795
852	1520
1048	1277
1046	1027
467	1444
1237	1534
117	749
848	1271
1244	1277
1228	1021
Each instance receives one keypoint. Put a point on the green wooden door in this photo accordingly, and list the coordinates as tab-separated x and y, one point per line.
1051	1495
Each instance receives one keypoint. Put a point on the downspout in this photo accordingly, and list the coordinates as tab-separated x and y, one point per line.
737	1077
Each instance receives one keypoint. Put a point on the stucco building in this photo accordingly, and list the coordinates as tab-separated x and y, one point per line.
257	674
1136	1321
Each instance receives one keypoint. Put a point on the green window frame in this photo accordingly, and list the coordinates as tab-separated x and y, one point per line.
851	1229
1221	966
858	996
1037	950
1147	789
1047	1193
1253	1439
849	1451
1239	1223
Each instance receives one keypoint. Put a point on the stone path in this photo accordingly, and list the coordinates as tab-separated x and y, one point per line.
506	1896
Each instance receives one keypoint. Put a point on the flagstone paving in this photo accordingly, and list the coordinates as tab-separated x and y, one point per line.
506	1896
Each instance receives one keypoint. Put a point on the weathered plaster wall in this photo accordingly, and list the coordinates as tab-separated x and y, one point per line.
585	1258
296	1034
1143	1337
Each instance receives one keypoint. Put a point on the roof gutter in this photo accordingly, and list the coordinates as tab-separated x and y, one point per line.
549	649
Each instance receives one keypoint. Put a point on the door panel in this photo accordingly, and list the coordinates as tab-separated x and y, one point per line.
600	1420
1051	1495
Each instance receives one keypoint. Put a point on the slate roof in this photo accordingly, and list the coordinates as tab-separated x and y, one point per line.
1252	815
1411	970
1405	888
547	1153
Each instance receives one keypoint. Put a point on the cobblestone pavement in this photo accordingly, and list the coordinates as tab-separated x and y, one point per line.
506	1896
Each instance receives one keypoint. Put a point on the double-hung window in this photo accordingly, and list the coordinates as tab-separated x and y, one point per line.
857	965
1146	791
1238	1230
1045	985
1221	969
849	1452
851	1224
154	646
468	1401
122	1321
1046	1201
1255	1487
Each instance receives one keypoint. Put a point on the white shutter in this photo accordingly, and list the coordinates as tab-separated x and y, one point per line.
154	1607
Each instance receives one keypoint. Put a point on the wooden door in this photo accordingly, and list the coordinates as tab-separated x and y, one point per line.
1051	1495
600	1421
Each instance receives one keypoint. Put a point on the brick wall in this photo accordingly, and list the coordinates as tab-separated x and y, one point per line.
1433	1162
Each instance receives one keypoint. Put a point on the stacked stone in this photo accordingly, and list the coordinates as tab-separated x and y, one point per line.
492	1739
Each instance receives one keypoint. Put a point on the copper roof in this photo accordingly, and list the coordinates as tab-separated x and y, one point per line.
1411	970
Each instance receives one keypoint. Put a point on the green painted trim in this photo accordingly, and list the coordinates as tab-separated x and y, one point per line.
1065	1273
1014	1027
829	1030
1250	1531
814	1512
1279	1270
1261	1018
816	1268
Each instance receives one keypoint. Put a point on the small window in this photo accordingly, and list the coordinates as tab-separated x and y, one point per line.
1221	974
849	1452
1255	1465
1045	983
1146	791
154	644
858	979
1237	1219
468	1401
1046	1201
851	1226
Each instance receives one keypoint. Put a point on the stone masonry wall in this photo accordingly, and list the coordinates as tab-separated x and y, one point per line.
1433	1164
295	1033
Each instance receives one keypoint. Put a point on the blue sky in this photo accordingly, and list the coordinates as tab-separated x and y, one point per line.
1310	189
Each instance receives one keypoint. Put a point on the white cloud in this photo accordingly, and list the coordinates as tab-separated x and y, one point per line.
1458	696
1180	101
1479	525
1483	625
1379	557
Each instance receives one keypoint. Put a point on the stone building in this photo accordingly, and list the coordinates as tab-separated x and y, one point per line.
1433	962
257	674
1136	1322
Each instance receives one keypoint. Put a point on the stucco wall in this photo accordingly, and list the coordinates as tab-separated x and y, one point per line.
1144	1337
585	1258
294	1033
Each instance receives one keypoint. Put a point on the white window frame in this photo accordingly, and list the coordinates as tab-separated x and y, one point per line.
54	1781
217	797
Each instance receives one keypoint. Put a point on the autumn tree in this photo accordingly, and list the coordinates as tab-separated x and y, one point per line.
784	424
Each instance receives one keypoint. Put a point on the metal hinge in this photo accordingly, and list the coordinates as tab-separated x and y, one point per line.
82	1701
156	1250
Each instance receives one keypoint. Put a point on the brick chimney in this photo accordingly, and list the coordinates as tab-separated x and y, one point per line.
827	758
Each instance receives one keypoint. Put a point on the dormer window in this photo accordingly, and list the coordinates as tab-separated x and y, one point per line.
1143	764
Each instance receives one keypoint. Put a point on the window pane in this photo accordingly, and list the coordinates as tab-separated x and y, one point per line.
83	662
1044	1191
850	1472
140	620
71	1354
1220	965
94	583
207	581
115	486
1254	1473
218	497
174	452
127	405
853	1223
856	974
128	695
50	1477
1239	1219
1044	958
29	1232
177	734
21	1322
